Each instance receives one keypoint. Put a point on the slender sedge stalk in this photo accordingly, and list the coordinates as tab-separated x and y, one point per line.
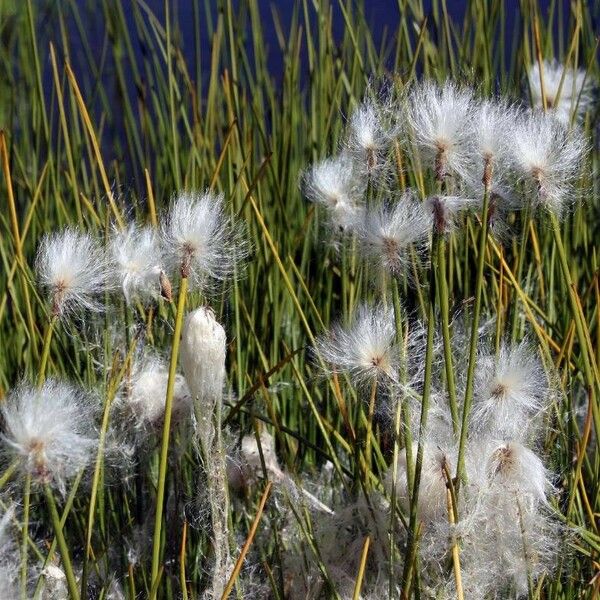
474	336
455	549
521	260
27	491
46	350
408	439
397	423
369	431
25	535
62	544
361	569
50	555
445	314
8	473
248	542
94	490
451	505
162	468
587	356
414	499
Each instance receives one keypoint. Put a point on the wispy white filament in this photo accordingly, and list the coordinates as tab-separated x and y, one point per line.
137	259
50	430
143	394
511	388
392	229
200	241
366	349
441	119
335	184
548	158
367	137
72	267
575	94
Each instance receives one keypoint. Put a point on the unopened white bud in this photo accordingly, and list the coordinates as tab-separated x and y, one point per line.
203	346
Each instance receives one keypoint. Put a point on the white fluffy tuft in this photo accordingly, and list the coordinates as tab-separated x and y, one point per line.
72	267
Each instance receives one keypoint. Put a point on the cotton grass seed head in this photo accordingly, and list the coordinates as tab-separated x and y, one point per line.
511	388
137	259
392	229
445	211
71	266
440	117
432	495
365	350
367	137
493	122
515	468
203	351
50	430
575	94
143	394
548	159
335	184
200	241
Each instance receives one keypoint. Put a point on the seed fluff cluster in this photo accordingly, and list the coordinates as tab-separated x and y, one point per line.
196	239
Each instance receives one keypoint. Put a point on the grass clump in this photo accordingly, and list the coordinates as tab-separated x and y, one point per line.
306	317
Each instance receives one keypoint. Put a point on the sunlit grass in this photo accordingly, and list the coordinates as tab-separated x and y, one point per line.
110	134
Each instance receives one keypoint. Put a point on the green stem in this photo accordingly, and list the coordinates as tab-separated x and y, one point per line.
408	439
94	490
445	314
579	318
414	499
164	451
397	426
63	520
474	336
25	534
46	350
8	473
519	273
62	544
369	429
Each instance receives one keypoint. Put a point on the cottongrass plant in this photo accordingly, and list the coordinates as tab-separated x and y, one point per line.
471	482
365	350
204	247
203	353
50	433
335	183
368	137
392	231
440	121
136	255
200	241
548	159
141	401
72	268
432	481
560	90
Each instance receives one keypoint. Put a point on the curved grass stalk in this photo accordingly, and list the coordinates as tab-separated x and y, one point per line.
414	499
46	350
25	536
474	337
63	520
445	316
62	544
164	451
